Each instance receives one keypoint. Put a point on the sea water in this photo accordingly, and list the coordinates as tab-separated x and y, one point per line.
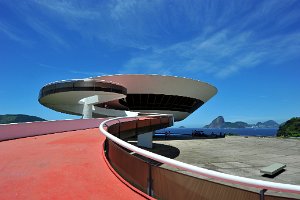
267	132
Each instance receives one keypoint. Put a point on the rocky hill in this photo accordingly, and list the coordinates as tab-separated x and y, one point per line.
216	123
7	119
267	124
219	122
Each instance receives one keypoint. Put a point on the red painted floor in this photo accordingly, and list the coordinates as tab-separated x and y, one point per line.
67	165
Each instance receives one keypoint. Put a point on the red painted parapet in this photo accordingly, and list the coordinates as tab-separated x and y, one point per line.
143	122
130	125
155	121
20	130
165	120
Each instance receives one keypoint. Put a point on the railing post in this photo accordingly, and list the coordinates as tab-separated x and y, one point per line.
262	194
150	182
107	148
119	134
159	121
136	126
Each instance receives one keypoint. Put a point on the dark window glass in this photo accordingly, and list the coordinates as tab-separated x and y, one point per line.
178	100
158	98
161	102
151	99
184	101
144	99
172	100
130	100
165	100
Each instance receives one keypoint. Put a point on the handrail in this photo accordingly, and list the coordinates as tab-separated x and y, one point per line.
281	187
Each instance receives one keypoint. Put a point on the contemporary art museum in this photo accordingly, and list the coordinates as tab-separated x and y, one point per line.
91	158
123	95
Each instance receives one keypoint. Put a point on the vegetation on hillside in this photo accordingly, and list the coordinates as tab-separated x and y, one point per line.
291	128
7	119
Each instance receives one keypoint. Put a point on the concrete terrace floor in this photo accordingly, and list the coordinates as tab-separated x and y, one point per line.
241	156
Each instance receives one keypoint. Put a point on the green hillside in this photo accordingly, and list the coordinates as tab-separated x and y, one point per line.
291	128
18	118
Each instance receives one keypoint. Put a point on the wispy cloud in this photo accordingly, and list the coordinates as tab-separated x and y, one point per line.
70	71
70	9
103	21
11	34
217	38
28	19
47	32
230	44
220	54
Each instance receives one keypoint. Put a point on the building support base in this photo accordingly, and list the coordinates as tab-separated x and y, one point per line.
145	140
87	112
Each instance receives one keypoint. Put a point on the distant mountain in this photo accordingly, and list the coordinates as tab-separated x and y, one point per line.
7	119
216	123
290	128
267	124
238	124
219	122
181	126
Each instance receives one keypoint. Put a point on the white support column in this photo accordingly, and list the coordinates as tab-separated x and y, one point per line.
87	112
145	140
88	102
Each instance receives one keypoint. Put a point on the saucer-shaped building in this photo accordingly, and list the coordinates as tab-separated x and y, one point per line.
124	95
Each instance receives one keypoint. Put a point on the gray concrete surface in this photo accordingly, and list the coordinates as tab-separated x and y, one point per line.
241	156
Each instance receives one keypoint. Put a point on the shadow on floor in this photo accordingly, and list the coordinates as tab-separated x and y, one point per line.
161	149
184	137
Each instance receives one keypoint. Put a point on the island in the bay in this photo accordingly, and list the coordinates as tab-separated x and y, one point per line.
220	122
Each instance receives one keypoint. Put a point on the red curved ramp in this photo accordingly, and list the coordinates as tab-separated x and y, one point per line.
67	165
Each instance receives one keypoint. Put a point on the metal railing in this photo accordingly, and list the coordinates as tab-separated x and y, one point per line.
263	185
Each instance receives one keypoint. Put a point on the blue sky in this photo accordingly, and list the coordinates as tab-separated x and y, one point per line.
249	50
